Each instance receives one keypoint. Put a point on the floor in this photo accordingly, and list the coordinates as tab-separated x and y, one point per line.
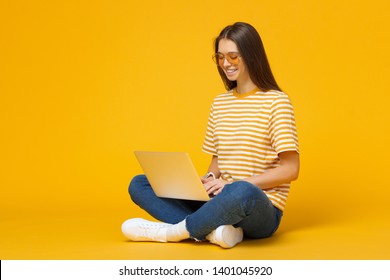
95	234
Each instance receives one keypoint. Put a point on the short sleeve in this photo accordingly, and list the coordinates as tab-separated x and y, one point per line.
282	127
209	143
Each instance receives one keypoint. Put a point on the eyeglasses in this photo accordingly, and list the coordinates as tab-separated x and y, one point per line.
232	58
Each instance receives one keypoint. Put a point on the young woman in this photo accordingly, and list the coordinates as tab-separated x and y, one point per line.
251	136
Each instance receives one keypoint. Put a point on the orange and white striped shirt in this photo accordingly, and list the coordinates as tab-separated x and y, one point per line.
247	132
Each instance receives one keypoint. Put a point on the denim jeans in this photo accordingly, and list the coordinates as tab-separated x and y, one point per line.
240	203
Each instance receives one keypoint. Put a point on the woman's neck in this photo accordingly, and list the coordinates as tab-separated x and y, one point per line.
245	87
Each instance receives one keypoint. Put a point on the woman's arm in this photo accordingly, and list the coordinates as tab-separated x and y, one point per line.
214	169
287	171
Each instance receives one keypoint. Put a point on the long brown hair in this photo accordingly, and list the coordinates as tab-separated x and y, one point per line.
252	52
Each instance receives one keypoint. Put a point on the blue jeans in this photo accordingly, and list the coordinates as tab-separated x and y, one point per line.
240	203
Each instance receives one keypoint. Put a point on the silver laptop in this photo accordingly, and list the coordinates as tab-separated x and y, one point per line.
172	175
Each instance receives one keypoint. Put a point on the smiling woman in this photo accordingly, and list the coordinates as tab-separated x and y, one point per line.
243	39
234	68
252	138
85	83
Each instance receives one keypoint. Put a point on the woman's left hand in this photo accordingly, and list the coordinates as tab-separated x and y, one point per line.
214	187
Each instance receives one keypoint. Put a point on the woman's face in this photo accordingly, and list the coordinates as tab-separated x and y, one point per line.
235	69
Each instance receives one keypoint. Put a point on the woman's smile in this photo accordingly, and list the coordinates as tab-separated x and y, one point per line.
230	73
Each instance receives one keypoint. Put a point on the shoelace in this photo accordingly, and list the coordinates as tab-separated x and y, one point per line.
152	225
147	227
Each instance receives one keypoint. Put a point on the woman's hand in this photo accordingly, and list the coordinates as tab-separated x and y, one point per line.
214	187
206	180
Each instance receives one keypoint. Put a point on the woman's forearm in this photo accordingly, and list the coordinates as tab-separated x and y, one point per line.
287	172
214	167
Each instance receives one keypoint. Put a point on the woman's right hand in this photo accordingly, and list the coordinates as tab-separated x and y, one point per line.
206	180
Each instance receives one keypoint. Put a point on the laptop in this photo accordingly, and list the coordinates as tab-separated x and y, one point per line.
172	175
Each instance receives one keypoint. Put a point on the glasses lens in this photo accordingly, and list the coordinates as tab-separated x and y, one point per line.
218	58
233	58
215	59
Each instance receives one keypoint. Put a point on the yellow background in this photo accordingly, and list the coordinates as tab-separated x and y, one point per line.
85	83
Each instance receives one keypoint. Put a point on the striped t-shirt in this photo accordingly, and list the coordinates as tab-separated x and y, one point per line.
247	132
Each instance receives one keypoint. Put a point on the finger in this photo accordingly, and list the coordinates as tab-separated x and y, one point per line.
205	180
209	179
207	186
213	188
218	191
210	183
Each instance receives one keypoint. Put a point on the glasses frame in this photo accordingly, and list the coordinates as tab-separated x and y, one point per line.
220	61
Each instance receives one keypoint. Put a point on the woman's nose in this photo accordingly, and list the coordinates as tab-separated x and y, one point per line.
226	62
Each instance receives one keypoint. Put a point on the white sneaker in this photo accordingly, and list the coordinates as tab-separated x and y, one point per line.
226	236
143	230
